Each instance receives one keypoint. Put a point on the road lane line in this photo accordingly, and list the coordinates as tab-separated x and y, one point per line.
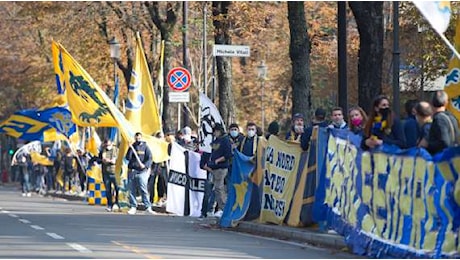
13	215
36	227
54	235
5	211
137	250
79	248
25	221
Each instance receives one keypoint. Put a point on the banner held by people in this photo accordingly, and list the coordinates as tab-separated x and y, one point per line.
209	116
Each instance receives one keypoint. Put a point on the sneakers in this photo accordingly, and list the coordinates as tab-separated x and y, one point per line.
29	194
132	211
151	211
23	194
115	207
210	214
201	217
108	209
218	214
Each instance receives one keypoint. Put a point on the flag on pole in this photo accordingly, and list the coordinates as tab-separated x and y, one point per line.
87	102
437	13
209	116
452	86
141	110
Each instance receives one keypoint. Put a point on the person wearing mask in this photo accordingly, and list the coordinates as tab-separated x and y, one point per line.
411	129
382	126
235	136
186	140
218	164
139	159
82	161
249	143
357	120
444	129
423	116
319	120
297	128
159	173
337	119
108	158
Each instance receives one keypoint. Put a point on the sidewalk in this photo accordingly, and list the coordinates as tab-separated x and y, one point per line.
309	235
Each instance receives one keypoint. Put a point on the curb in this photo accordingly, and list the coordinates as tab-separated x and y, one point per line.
65	196
291	233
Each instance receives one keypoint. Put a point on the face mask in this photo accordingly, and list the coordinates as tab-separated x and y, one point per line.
233	133
384	112
338	124
356	121
251	133
298	128
187	138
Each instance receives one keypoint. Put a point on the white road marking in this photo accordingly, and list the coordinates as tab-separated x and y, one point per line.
36	227
5	211
54	235
79	248
25	221
13	216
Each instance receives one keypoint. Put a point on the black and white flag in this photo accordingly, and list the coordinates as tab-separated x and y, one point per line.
209	116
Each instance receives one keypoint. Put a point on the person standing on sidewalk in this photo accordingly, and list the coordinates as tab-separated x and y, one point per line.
108	158
22	166
218	164
69	162
138	173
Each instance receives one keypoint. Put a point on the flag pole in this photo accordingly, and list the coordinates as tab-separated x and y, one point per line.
443	37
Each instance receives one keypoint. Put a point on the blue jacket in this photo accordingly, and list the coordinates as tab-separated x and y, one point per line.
247	145
411	131
305	138
144	153
220	147
395	137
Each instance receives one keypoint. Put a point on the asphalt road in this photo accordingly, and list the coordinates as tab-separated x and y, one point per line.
47	227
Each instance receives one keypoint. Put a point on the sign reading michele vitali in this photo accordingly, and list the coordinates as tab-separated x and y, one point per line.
280	172
231	50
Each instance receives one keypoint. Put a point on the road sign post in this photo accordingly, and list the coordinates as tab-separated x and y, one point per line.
179	80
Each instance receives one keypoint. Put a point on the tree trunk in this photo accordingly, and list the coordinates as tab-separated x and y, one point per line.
166	26
369	19
299	52
224	64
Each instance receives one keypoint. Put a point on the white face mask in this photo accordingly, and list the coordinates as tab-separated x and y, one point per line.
251	133
233	133
298	128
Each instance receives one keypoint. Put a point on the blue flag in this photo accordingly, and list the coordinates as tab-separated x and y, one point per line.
239	190
43	125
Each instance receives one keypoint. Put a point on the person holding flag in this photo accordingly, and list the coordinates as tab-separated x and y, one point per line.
139	159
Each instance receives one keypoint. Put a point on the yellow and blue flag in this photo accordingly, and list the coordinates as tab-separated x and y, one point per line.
58	68
43	125
452	86
141	111
86	100
239	190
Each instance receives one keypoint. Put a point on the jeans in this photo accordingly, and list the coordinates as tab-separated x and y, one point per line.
109	179
50	178
209	197
24	179
138	179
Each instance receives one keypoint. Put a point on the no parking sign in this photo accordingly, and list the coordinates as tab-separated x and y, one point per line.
179	79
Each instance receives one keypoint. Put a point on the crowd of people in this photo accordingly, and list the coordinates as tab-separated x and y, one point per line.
427	125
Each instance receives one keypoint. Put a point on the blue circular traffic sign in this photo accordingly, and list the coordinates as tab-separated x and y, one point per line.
179	79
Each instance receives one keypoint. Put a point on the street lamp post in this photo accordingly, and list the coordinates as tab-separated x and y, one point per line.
115	55
261	75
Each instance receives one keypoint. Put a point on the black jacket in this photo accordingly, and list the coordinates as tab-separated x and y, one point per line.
144	153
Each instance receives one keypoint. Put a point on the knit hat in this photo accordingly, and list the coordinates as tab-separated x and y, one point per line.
218	126
319	112
273	128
